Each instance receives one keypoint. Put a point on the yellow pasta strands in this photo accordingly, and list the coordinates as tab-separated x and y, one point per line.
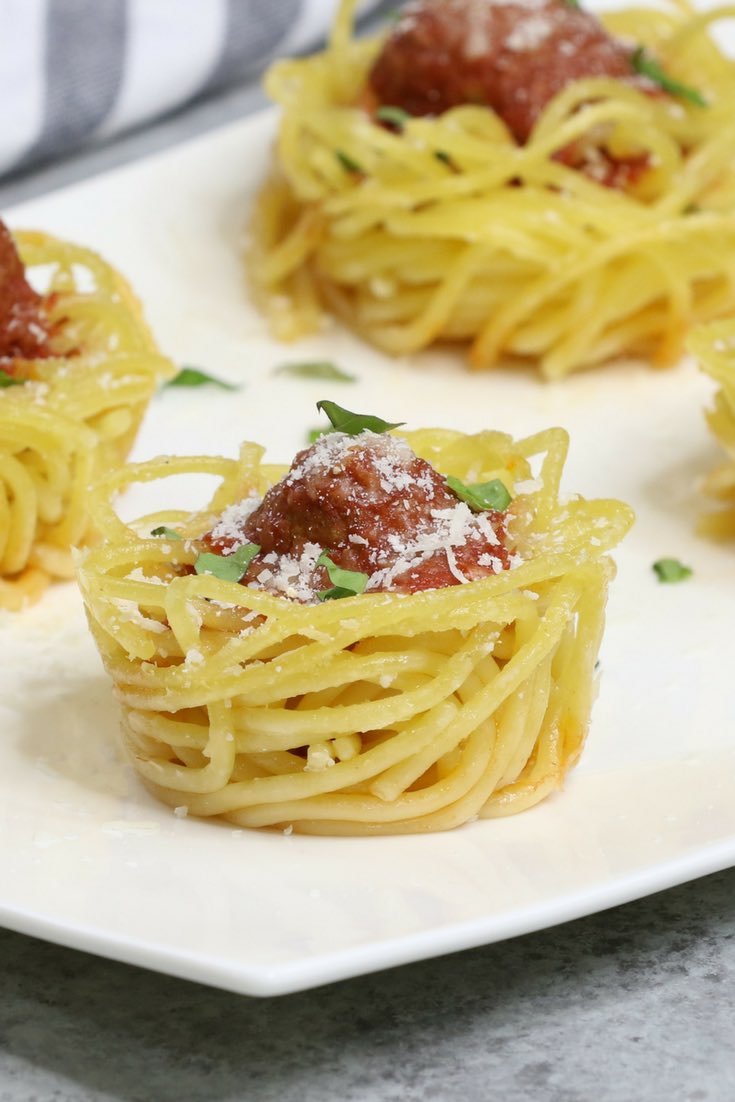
714	346
374	714
449	230
73	418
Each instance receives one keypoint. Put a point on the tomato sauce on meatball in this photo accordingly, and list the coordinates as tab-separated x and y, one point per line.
513	56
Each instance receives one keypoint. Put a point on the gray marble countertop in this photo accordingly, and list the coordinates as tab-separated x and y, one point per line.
631	1005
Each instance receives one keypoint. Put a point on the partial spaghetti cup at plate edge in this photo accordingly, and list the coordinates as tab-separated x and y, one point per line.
78	366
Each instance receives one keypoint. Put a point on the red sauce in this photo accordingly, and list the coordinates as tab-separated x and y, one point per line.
367	500
24	328
436	573
513	56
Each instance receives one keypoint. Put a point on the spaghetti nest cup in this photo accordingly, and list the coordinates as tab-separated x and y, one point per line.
77	369
372	647
714	346
514	175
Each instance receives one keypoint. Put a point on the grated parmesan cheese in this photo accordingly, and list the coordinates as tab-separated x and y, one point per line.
130	613
529	33
138	575
229	527
452	528
529	486
318	759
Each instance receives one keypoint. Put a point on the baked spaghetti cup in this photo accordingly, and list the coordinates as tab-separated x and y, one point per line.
513	175
78	366
714	347
451	679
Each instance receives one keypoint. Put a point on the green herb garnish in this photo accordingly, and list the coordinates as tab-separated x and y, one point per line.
315	369
229	568
194	376
343	420
483	495
169	533
671	570
446	159
394	116
9	380
347	162
644	64
313	434
345	583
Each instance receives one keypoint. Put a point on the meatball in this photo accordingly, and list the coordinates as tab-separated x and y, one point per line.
377	508
510	55
360	496
23	327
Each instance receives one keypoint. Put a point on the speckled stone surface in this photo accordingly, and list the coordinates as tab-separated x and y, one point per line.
631	1005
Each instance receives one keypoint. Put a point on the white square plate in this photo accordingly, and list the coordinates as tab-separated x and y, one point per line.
90	860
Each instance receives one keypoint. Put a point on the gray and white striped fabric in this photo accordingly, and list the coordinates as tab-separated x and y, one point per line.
74	71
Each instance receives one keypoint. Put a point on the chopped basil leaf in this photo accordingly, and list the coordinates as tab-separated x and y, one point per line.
343	420
483	495
9	380
345	583
671	570
394	116
169	533
336	593
229	568
446	159
644	64
315	369
194	376
347	162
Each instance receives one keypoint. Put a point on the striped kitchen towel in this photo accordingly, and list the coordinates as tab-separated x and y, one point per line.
72	71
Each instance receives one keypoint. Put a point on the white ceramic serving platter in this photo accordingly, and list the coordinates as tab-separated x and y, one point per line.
88	859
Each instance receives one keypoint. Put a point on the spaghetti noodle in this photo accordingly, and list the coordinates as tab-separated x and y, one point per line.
714	346
383	712
444	227
74	392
